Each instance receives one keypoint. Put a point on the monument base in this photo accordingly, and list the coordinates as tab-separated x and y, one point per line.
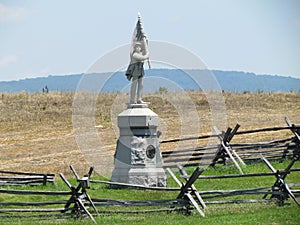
149	177
137	158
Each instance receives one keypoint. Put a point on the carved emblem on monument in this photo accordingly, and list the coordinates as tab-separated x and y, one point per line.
138	151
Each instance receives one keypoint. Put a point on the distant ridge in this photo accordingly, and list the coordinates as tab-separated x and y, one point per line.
231	81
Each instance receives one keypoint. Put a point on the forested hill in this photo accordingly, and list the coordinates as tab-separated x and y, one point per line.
232	81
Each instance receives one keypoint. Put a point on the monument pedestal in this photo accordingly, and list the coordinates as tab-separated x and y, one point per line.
137	158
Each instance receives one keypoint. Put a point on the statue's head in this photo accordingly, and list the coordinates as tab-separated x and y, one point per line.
138	47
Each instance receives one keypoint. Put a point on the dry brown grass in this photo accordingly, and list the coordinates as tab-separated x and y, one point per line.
36	131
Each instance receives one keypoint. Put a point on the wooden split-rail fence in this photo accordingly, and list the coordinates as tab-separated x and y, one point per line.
79	204
279	192
25	178
238	153
75	206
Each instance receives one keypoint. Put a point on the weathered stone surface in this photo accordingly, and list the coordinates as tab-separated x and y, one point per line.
137	117
137	158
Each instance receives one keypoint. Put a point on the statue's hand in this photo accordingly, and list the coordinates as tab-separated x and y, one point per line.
144	36
128	77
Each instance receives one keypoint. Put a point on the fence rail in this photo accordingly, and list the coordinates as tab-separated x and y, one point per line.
25	178
249	152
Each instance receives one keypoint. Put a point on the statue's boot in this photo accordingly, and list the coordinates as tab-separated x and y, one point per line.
139	91
133	91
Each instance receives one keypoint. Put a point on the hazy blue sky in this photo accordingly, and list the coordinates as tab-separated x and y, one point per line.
39	38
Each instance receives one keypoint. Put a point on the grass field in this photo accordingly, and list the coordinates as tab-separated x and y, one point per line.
250	213
37	135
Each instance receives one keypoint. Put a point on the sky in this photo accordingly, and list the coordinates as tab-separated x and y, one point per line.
59	37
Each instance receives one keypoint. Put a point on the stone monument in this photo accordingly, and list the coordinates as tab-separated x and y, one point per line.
137	159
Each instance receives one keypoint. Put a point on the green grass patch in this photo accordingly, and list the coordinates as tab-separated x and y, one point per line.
250	213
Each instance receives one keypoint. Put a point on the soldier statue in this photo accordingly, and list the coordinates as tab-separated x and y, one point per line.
135	71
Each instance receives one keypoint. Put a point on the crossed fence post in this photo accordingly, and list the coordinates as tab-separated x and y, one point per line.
280	189
193	188
296	132
187	189
79	194
225	149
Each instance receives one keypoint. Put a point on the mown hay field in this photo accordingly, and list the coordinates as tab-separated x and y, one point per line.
37	130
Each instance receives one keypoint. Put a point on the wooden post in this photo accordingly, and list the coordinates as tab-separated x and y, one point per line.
186	188
294	129
296	132
79	193
280	185
194	190
225	149
45	177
